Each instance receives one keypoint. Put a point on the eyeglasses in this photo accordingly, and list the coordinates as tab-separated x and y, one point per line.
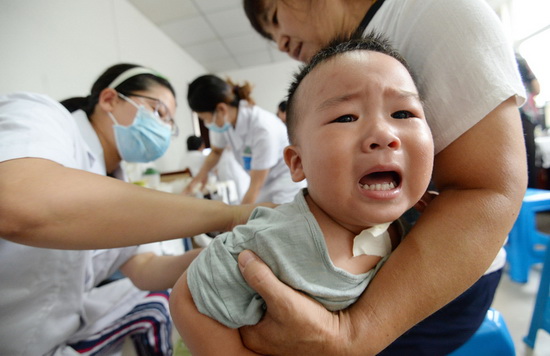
160	110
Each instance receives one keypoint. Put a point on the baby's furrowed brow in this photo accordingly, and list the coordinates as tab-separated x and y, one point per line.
405	94
331	102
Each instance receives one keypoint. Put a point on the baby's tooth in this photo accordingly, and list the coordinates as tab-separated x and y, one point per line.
382	186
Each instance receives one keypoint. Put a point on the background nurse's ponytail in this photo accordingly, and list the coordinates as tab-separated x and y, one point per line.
242	92
207	91
134	83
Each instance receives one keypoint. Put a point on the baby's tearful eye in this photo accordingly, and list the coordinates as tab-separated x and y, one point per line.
402	115
346	118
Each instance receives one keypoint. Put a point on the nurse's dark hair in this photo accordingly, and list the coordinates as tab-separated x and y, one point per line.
194	143
372	42
138	82
207	91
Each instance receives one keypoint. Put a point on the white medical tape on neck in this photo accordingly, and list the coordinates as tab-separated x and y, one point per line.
374	241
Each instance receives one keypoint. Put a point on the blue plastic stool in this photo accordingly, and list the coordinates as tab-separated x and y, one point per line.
492	338
526	245
541	312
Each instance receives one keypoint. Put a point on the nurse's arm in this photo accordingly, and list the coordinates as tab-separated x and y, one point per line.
257	181
148	271
202	177
482	177
44	204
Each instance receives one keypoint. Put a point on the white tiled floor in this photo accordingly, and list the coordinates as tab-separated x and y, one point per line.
515	302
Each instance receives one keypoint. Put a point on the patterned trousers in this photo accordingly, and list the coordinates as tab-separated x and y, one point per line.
148	324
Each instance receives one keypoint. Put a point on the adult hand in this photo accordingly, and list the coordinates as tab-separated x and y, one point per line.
199	180
293	324
195	185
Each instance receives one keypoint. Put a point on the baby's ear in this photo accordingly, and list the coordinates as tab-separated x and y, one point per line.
294	162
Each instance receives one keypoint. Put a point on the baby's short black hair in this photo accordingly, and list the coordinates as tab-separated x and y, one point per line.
372	42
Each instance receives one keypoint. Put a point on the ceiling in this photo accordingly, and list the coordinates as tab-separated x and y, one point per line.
216	33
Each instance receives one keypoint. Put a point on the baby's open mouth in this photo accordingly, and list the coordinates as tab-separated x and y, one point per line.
380	181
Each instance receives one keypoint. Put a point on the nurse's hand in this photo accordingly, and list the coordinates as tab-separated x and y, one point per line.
196	185
293	324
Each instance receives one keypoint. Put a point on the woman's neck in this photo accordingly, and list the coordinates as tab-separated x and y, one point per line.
233	114
105	134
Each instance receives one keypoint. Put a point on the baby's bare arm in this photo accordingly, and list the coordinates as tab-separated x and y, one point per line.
201	334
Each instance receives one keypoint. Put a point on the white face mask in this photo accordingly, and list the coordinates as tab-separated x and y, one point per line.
145	140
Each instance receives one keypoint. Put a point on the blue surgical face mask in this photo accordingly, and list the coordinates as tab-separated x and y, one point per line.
215	128
145	140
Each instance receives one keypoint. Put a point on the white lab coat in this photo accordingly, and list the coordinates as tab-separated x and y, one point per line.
47	296
257	142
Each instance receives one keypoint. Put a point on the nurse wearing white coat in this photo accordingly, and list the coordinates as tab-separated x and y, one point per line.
256	136
56	200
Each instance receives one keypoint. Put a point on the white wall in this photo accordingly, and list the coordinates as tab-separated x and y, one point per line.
59	48
270	82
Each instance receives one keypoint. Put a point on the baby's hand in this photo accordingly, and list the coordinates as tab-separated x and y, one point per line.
425	200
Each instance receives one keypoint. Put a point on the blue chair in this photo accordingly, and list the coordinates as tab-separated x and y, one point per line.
526	245
541	312
492	338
